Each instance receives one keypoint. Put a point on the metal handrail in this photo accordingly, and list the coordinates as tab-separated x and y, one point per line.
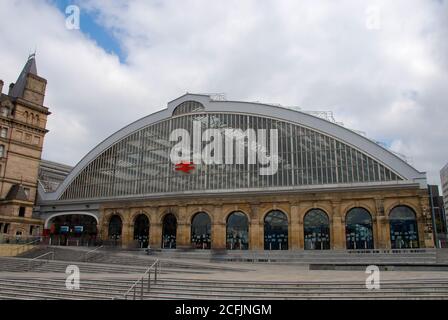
90	252
157	268
30	264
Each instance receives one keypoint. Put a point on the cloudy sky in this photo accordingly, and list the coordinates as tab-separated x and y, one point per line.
380	66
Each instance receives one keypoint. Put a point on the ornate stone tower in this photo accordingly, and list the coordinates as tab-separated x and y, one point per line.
23	119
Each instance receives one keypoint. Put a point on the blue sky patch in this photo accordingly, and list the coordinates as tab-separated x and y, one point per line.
90	27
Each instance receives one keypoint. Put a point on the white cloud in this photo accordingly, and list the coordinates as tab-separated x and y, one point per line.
388	82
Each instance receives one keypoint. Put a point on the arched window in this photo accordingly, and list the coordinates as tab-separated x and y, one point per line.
115	227
201	227
188	107
358	229
37	119
403	228
237	231
276	231
141	230
26	116
169	231
316	227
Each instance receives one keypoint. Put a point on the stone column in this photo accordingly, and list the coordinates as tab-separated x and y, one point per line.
218	229
383	233
338	227
382	236
102	226
127	234
424	224
183	236
296	235
155	235
255	229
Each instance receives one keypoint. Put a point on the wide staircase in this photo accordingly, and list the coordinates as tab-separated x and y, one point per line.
110	274
315	257
98	289
391	257
112	259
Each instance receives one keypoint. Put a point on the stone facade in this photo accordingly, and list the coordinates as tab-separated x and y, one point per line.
23	119
336	204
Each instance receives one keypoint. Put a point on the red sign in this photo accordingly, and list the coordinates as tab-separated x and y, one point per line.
184	166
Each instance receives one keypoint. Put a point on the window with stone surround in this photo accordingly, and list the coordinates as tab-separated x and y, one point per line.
5	111
2	151
27	192
4	132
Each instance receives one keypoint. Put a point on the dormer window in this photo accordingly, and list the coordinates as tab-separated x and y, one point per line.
188	107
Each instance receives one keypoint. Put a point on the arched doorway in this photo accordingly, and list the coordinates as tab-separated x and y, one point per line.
237	231
358	229
169	231
72	229
201	229
115	228
316	228
141	230
403	228
276	231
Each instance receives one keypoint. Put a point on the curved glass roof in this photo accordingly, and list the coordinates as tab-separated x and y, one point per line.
141	163
230	147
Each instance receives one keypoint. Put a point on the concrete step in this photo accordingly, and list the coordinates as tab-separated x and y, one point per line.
179	285
191	294
48	295
183	289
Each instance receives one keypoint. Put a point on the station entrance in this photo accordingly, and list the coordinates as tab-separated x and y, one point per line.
72	230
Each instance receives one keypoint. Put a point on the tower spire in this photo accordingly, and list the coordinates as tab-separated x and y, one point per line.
29	68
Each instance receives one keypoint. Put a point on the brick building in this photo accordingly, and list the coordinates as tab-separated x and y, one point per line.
23	119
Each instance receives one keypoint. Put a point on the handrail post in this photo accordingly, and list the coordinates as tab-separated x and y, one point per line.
141	290
134	293
155	273
149	280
